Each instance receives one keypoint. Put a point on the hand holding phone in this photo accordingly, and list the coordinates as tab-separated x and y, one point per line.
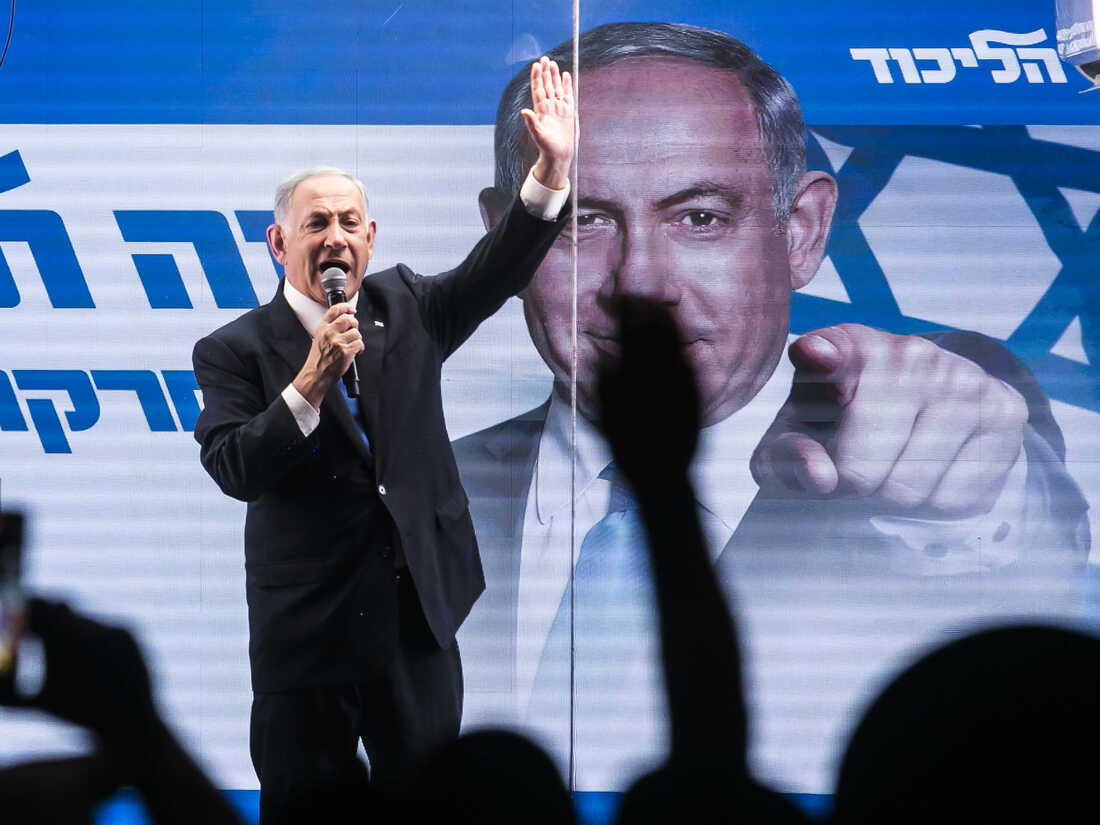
13	612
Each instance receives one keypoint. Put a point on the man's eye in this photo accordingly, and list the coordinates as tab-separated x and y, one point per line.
592	219
699	220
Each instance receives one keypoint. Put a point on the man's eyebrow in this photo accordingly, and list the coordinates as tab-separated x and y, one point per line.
703	189
323	212
597	203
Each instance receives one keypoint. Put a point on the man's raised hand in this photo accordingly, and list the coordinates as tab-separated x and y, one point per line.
895	419
550	122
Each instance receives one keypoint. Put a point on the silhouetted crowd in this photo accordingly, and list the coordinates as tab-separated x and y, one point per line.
999	726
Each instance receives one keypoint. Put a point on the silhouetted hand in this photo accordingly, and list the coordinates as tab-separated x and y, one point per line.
649	402
650	414
95	676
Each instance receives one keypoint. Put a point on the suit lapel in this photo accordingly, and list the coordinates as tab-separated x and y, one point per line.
285	333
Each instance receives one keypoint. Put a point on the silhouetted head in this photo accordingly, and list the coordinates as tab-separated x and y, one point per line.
1001	726
490	777
705	793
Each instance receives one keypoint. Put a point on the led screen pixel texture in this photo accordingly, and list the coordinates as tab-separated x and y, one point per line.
136	175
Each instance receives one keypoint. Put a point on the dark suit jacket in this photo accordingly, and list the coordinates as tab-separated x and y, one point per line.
841	549
321	605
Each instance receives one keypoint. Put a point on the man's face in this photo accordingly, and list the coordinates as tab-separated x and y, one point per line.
675	205
327	226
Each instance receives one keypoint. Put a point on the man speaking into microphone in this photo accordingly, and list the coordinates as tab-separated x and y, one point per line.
360	555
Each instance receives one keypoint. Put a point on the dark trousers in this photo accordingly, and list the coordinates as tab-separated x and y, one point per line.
304	742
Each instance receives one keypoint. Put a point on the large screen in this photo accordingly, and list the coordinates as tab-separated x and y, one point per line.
139	153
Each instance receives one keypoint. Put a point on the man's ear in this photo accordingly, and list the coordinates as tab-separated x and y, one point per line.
372	232
277	243
808	226
492	203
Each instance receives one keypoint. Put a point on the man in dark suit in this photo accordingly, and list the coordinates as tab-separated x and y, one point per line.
361	561
901	487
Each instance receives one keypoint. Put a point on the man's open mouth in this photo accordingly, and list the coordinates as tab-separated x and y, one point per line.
341	265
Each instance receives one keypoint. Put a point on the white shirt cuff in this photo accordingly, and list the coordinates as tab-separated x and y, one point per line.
968	545
303	412
541	201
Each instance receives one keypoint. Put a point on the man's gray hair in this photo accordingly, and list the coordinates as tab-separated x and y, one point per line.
287	187
778	115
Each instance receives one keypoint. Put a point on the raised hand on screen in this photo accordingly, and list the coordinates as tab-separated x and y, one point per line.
896	419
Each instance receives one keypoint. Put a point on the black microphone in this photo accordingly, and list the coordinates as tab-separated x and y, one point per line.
333	281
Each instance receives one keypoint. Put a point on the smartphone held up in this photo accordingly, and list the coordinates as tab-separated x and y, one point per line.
12	605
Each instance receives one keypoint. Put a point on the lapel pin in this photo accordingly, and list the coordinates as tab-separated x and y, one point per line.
379	324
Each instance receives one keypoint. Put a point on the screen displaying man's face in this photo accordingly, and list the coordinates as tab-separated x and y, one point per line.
675	203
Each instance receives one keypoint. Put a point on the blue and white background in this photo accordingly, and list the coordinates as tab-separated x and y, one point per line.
138	154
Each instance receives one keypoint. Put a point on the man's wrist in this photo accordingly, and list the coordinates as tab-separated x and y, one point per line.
305	414
541	200
966	545
551	174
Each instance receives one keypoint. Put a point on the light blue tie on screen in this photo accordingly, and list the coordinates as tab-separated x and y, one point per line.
353	405
613	632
